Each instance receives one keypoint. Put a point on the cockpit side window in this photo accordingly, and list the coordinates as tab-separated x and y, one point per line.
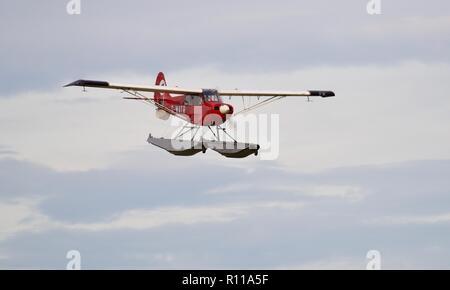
192	100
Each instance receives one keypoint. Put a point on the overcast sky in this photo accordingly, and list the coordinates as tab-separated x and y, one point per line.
365	170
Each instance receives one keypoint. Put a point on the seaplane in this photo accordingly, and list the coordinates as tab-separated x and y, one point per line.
199	108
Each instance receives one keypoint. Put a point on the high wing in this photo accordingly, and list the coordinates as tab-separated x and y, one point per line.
176	90
137	88
323	94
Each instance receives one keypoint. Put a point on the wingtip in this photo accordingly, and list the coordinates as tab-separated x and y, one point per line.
88	83
76	83
327	94
69	84
323	94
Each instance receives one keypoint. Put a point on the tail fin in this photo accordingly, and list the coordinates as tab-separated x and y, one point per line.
160	81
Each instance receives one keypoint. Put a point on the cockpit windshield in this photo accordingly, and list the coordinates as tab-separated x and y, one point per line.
211	96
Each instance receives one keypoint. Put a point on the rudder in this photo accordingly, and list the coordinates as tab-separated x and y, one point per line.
160	81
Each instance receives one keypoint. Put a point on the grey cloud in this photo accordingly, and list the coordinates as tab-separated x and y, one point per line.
264	240
43	46
345	211
325	228
5	150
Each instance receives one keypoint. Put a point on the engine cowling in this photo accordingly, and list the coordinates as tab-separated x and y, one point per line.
225	109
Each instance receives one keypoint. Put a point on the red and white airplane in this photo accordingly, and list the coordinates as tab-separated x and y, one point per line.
198	107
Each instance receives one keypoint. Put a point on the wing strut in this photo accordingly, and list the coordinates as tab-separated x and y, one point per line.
260	104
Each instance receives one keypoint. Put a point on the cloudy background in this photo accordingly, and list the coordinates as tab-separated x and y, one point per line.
366	170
